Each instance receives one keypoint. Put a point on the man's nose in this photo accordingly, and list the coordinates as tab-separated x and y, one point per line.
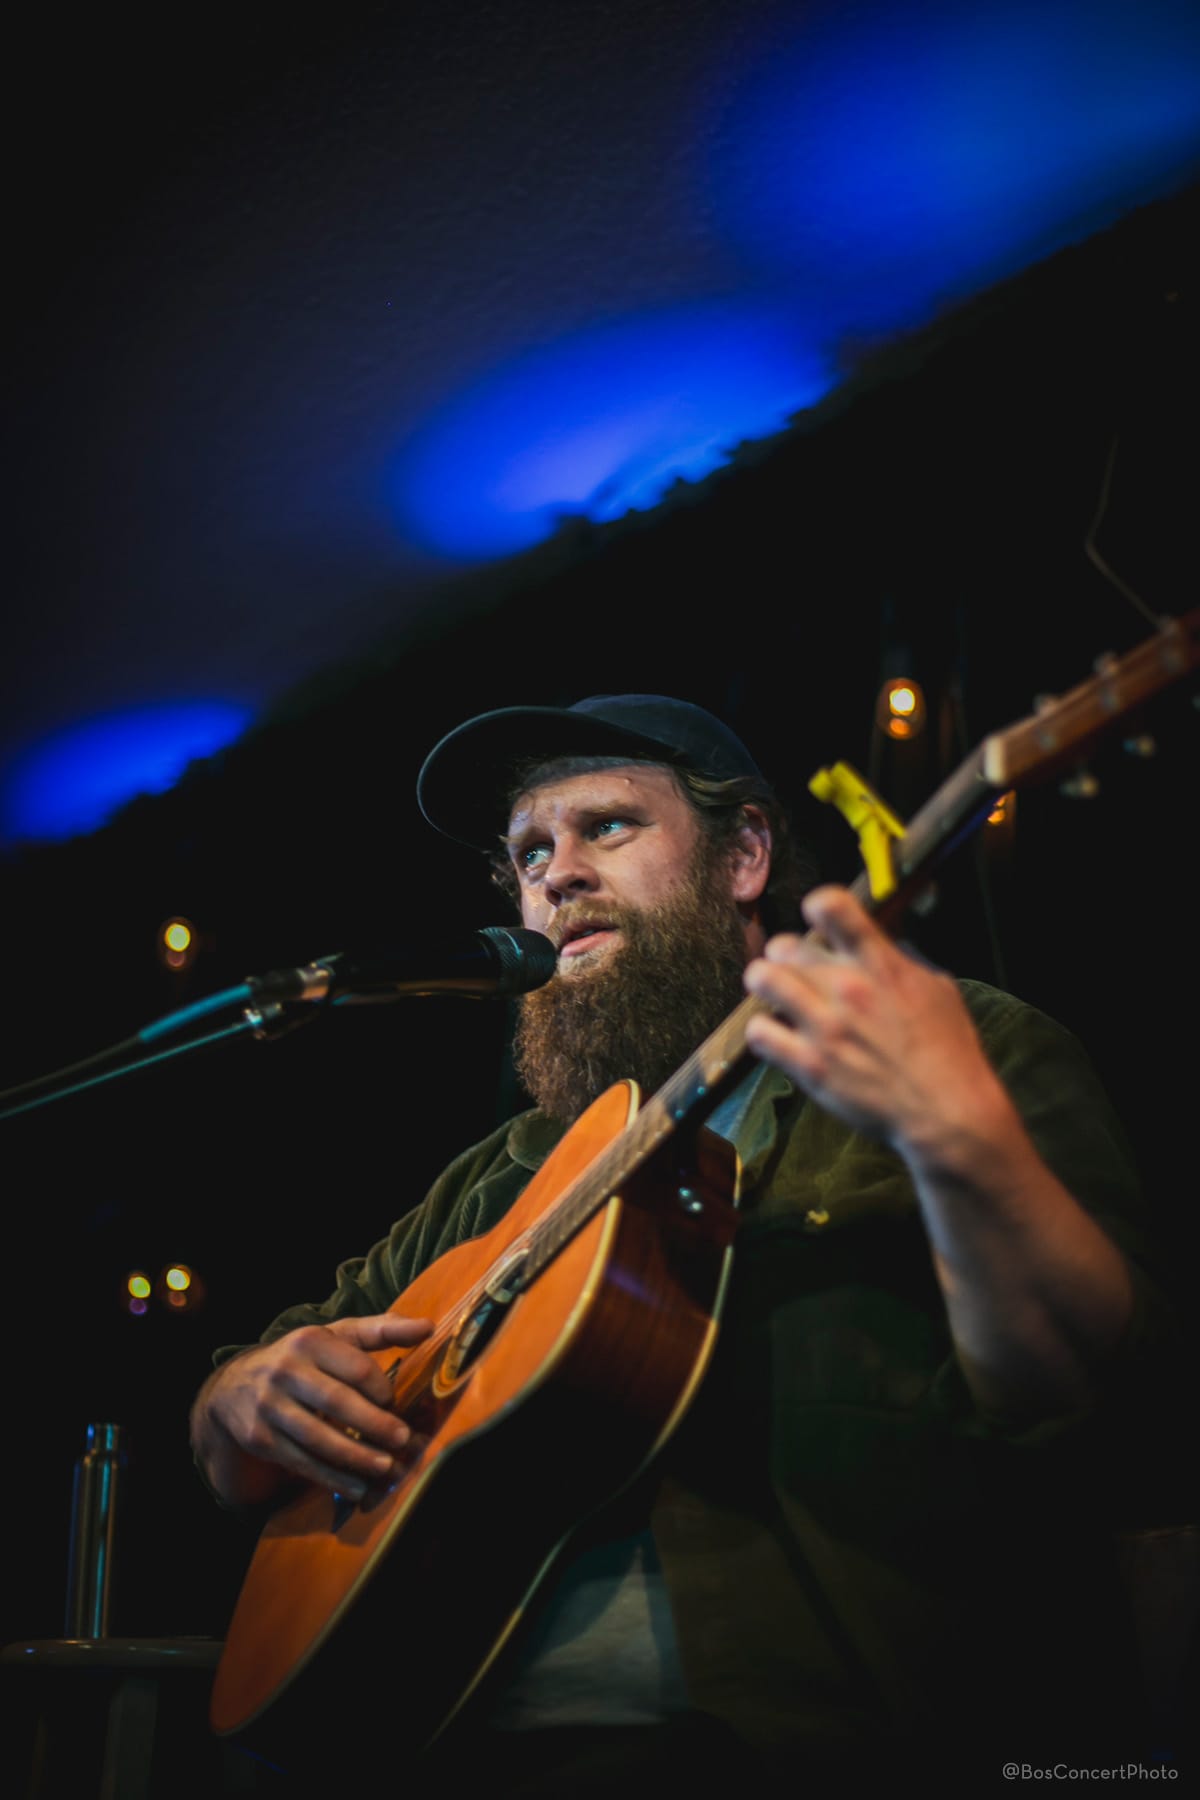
570	870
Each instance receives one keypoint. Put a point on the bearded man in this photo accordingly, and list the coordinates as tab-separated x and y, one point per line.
866	1541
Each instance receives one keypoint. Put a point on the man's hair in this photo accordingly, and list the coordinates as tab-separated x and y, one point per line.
720	808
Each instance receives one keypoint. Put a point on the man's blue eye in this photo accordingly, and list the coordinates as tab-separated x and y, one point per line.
538	854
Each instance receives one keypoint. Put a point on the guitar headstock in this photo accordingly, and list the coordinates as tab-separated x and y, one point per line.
1065	728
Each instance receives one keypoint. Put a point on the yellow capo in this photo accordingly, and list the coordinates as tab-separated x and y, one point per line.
874	822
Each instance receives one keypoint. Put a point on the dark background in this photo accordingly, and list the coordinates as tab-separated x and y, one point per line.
935	514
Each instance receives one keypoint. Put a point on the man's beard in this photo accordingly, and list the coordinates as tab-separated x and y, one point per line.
658	994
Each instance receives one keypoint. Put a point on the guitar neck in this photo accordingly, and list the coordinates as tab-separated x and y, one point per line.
932	835
690	1092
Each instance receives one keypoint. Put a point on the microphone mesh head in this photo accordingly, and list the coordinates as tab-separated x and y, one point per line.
527	959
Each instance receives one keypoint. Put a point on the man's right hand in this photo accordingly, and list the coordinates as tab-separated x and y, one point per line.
312	1406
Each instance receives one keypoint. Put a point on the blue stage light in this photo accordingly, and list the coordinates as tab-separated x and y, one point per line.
600	423
75	781
902	157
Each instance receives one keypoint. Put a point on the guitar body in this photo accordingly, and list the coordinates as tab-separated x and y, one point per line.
528	1414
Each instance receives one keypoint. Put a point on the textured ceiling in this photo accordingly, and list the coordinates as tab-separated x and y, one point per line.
291	288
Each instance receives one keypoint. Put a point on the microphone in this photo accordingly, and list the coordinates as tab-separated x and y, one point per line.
497	960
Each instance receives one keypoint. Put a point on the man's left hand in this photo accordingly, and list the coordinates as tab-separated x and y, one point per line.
874	1035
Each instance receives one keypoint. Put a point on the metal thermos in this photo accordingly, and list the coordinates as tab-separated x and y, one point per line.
93	1532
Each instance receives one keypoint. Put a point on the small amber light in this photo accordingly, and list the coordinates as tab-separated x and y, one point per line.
900	708
178	942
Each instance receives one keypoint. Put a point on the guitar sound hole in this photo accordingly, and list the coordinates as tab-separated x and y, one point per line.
472	1338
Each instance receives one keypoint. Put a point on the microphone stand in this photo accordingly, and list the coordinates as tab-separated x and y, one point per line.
261	1021
502	960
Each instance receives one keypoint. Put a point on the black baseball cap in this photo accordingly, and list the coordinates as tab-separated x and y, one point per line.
464	785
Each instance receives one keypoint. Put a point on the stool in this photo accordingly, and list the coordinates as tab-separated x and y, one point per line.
117	1719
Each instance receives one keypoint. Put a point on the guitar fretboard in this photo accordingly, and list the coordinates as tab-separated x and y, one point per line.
691	1087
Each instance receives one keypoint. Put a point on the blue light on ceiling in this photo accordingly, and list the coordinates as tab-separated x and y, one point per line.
75	781
930	151
896	159
601	423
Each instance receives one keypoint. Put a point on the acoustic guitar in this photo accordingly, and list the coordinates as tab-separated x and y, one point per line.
568	1343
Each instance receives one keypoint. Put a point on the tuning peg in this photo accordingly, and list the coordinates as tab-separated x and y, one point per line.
1080	786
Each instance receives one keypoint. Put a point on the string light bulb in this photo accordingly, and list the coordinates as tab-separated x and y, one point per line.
137	1292
900	708
180	1289
178	942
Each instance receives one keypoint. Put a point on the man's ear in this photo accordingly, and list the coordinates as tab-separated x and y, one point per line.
750	858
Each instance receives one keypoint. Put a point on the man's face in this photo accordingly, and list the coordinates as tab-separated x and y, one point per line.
588	846
615	868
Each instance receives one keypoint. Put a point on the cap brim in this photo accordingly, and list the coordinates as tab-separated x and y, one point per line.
465	782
